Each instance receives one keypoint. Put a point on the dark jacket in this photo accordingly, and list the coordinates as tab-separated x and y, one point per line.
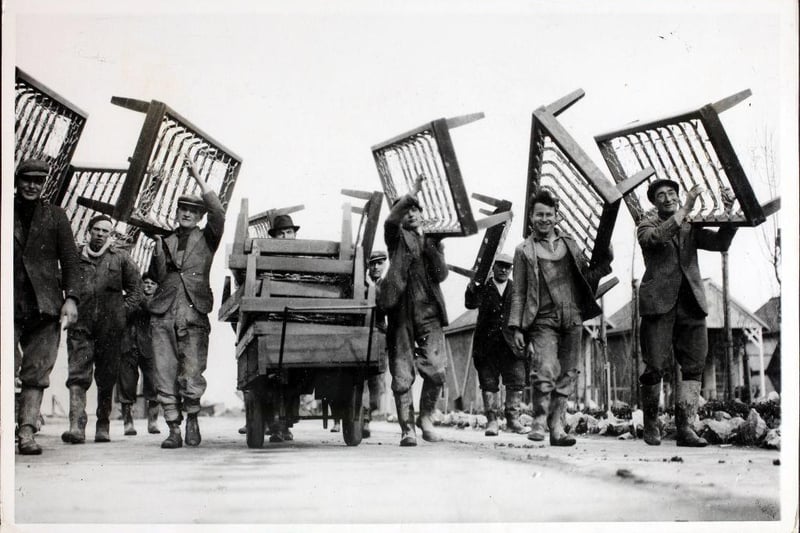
493	310
138	338
525	298
47	258
399	243
110	288
670	254
190	273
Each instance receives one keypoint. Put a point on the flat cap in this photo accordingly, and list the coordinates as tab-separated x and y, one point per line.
651	189
192	200
503	258
33	168
377	255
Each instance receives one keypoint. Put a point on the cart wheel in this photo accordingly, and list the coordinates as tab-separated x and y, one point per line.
353	419
254	414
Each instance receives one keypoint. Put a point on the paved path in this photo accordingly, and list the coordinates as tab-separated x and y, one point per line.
317	479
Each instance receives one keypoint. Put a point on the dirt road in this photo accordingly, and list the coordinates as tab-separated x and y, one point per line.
317	479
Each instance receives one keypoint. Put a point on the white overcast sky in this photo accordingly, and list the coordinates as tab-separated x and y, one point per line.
302	93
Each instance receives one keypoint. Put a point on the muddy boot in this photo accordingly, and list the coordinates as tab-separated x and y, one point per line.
405	416
127	419
337	426
102	427
76	434
685	413
650	395
193	437
427	404
174	439
29	405
513	402
558	410
152	417
492	428
541	406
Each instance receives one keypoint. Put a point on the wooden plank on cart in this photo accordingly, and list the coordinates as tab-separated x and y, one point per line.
314	350
294	264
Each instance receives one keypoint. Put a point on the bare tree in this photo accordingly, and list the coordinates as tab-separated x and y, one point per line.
764	165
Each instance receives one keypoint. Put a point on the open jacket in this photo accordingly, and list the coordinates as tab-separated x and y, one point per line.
399	243
670	254
48	258
525	296
493	310
191	272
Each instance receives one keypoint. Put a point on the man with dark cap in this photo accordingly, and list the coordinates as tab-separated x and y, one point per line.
46	279
138	353
493	351
414	306
110	288
553	295
179	309
375	268
672	304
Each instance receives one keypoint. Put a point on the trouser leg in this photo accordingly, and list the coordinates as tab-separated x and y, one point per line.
128	377
165	359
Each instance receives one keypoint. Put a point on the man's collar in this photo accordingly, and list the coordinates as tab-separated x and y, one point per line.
556	232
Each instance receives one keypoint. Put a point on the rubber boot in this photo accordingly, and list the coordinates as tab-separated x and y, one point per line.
405	416
30	402
541	406
513	402
650	396
174	439
685	413
193	437
103	426
152	417
427	404
492	428
76	434
558	410
127	419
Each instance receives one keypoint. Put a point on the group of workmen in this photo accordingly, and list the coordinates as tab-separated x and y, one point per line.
528	327
117	320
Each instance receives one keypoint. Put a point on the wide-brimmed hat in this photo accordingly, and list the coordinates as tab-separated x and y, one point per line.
504	258
191	200
282	222
33	168
377	255
651	189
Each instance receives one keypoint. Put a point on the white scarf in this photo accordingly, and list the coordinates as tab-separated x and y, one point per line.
90	254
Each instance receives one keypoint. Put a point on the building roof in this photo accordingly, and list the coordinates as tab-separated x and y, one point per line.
769	313
464	321
740	316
